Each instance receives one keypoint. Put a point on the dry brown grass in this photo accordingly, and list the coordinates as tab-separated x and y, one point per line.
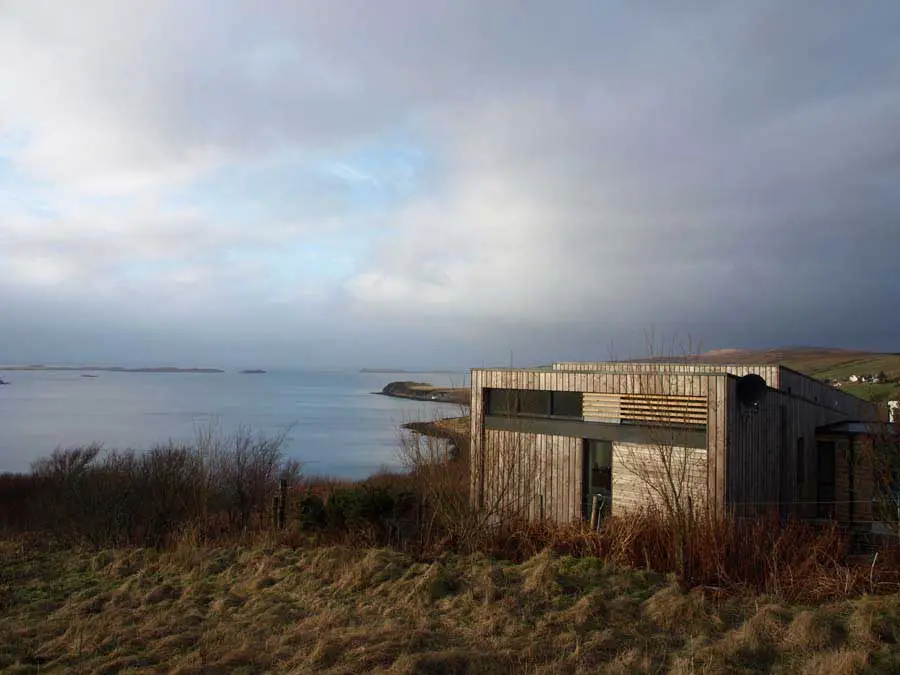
427	513
343	610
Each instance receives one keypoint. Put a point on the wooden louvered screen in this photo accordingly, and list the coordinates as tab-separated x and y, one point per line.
647	408
602	408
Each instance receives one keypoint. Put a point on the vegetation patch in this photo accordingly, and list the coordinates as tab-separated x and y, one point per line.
269	608
399	573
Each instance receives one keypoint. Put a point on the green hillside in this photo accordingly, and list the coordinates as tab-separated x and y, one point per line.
826	364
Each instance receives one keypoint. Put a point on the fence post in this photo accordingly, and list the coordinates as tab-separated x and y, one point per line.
281	508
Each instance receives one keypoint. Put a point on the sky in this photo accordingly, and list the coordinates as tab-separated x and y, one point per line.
445	184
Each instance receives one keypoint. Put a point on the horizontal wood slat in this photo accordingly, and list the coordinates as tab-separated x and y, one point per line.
662	417
645	407
666	398
602	408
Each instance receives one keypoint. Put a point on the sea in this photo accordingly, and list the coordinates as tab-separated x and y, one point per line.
333	422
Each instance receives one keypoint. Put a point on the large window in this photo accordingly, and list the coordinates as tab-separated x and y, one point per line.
566	403
500	402
533	403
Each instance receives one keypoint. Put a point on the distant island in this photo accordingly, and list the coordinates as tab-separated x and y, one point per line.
252	371
422	391
112	369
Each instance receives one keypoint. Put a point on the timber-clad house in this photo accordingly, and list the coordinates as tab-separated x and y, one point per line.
740	439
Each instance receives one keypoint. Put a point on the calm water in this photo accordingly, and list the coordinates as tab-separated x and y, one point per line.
336	426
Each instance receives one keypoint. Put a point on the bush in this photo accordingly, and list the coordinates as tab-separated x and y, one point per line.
793	559
16	492
131	498
311	512
373	512
226	486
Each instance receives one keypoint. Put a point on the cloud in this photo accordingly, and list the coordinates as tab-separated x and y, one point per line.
474	177
676	190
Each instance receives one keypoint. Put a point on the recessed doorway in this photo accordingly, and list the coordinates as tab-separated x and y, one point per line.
597	480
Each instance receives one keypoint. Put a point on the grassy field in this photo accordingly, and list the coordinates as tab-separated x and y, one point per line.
843	367
839	365
874	392
825	363
341	610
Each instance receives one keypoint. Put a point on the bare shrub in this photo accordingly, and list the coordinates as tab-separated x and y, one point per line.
16	490
163	493
144	498
794	560
66	464
66	490
122	497
442	487
440	471
247	471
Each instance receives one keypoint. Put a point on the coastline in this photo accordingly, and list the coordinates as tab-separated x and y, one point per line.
455	429
423	391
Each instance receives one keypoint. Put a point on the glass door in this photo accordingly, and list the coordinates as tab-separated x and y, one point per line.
597	476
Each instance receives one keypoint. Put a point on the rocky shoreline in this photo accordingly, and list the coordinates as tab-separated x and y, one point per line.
455	429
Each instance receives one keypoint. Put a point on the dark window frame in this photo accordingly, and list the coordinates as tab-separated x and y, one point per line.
533	403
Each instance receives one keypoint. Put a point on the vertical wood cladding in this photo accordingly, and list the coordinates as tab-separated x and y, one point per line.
864	479
638	468
532	476
549	468
752	460
763	448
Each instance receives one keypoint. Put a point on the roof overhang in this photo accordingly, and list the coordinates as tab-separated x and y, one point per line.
856	428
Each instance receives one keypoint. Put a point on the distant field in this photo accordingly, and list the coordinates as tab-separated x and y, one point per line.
874	392
842	366
825	363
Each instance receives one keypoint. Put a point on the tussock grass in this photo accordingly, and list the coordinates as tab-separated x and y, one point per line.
361	579
342	610
227	491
